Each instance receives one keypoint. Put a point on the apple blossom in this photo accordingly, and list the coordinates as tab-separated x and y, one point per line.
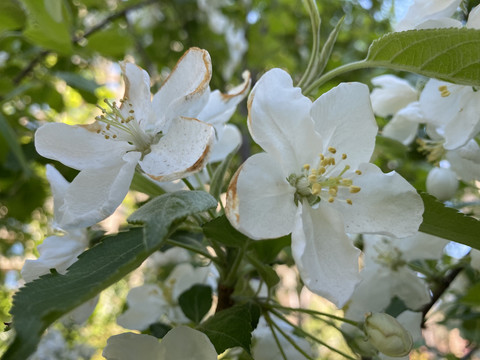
314	181
159	135
422	11
180	343
442	183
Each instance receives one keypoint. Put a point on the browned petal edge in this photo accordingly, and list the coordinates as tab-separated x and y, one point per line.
208	66
198	165
249	108
123	66
231	206
241	89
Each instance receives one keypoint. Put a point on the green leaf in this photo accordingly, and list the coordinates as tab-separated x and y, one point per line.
112	42
45	30
448	223
328	47
159	214
41	302
231	327
12	16
216	183
11	138
196	301
267	250
265	271
143	184
159	330
223	232
447	54
86	87
472	297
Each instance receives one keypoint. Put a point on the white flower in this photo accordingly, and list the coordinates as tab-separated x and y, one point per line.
465	161
180	343
314	181
422	11
395	96
442	183
386	273
160	135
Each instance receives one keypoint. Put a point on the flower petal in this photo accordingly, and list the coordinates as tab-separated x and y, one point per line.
404	125
128	346
185	91
182	151
56	252
220	107
387	204
260	201
78	147
465	161
137	90
185	343
229	140
391	94
280	123
95	193
344	119
325	256
59	187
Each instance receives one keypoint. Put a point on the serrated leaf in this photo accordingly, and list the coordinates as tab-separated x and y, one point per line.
196	301
41	302
448	223
159	214
223	232
447	54
230	328
42	29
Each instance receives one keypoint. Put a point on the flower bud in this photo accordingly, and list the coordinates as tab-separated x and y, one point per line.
442	183
388	335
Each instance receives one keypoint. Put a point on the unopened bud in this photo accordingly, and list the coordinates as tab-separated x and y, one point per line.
388	335
442	183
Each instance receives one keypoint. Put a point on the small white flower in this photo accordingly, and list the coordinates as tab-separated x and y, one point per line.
180	343
314	181
423	11
159	134
442	183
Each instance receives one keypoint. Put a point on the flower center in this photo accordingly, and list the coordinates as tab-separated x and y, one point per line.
389	256
444	92
432	148
324	182
119	123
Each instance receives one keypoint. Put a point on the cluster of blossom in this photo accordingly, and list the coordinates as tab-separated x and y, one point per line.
449	112
313	180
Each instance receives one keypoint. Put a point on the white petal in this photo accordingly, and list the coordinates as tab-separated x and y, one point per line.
404	125
146	304
184	276
78	147
420	11
95	193
391	94
184	343
81	313
279	121
128	346
465	161
344	119
325	256
182	151
474	18
230	139
421	246
185	91
220	107
56	252
59	187
260	201
137	90
386	204
409	288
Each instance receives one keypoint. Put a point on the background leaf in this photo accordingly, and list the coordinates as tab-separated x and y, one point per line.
448	223
447	54
196	301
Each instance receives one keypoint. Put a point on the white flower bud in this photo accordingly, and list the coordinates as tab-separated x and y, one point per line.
442	183
388	335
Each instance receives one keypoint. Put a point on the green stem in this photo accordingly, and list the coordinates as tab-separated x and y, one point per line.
304	333
315	20
337	71
313	312
192	249
231	277
188	183
289	339
218	250
270	325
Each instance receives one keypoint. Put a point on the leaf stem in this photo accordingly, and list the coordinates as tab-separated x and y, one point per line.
192	249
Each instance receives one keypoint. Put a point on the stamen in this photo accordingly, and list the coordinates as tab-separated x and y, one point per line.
332	149
344	156
331	200
442	88
354	189
306	167
349	201
358	172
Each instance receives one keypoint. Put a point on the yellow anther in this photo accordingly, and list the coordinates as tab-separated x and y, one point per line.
349	201
131	111
354	189
107	127
114	136
321	170
445	93
332	149
107	137
347	182
332	191
314	172
344	156
358	172
98	131
442	88
306	167
316	189
324	162
321	156
331	200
